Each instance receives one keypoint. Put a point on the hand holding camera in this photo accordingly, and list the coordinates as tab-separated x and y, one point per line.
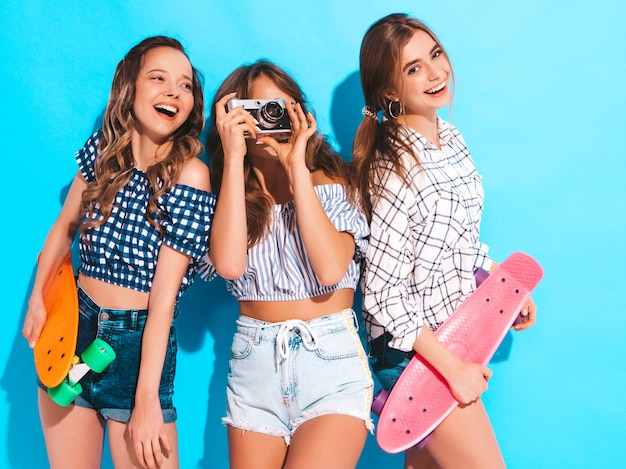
271	115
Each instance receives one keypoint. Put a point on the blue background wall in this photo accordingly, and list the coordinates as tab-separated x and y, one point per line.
540	101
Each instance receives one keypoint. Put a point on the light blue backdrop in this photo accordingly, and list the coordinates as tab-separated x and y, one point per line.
540	101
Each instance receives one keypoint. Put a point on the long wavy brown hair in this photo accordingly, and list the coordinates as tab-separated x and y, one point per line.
319	154
113	167
378	145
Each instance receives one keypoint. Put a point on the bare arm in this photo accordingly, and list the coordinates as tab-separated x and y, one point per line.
146	425
467	381
56	247
229	233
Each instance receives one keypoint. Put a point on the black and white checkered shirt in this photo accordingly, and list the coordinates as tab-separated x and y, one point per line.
424	242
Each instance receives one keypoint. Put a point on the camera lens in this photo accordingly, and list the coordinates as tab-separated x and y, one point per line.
271	112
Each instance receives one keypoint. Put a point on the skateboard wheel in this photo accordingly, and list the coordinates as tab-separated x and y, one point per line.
480	275
423	443
518	319
64	393
98	355
379	401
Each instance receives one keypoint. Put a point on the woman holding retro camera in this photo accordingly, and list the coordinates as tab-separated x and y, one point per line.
288	241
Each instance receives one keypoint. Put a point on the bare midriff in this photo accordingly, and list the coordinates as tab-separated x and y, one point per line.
305	310
110	296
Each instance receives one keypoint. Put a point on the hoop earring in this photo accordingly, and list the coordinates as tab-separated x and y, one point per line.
392	106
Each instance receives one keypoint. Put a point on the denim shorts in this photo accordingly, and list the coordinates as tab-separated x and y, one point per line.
112	392
387	363
283	374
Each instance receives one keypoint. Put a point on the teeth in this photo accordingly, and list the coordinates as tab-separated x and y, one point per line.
164	108
437	89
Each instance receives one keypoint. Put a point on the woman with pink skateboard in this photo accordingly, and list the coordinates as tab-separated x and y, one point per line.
424	198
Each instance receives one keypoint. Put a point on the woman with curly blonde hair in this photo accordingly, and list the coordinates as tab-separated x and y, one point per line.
141	201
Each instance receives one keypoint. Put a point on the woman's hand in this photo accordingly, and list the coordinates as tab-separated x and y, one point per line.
35	320
292	154
529	316
147	434
468	382
232	127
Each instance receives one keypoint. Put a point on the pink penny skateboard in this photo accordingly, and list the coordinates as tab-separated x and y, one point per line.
420	400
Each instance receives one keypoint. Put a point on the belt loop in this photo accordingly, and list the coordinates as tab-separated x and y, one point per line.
133	320
257	334
355	319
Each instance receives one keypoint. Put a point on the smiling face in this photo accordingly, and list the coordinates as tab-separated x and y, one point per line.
163	93
423	85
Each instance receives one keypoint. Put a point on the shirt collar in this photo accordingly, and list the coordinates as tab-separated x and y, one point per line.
443	128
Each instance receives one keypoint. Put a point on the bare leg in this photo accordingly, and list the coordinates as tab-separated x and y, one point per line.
422	459
466	439
74	435
248	449
122	451
329	441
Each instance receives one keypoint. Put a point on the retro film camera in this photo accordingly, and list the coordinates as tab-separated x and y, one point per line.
271	115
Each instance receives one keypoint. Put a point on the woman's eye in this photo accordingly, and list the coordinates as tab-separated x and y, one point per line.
437	53
413	70
188	86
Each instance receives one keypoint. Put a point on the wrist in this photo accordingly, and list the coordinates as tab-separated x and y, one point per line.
146	395
297	171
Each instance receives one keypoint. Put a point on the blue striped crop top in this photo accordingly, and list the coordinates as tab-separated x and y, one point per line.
277	267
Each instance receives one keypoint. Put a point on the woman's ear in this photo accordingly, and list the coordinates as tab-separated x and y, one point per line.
390	95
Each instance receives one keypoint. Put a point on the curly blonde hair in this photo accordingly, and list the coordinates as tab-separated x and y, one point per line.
113	167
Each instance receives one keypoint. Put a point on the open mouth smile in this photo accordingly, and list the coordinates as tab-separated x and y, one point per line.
437	89
169	111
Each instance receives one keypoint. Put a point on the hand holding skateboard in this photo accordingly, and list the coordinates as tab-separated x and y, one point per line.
421	399
57	366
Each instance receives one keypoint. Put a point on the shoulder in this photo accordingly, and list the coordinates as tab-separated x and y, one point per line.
195	173
320	178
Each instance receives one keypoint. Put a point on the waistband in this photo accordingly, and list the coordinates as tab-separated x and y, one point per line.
307	330
128	319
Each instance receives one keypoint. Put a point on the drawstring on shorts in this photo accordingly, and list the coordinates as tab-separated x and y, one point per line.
309	340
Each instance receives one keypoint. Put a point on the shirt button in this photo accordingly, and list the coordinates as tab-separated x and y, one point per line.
104	317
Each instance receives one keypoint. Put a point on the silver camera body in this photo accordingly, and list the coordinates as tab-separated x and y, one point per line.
271	115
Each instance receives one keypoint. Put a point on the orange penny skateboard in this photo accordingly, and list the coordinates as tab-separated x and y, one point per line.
421	399
57	366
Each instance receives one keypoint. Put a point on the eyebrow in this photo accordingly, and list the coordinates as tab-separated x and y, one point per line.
165	71
416	61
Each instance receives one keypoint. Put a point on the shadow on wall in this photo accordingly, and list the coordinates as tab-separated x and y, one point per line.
208	308
25	443
345	113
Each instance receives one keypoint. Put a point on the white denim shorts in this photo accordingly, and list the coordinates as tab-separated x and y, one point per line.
283	374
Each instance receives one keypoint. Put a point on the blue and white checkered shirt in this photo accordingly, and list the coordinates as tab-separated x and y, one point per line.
424	242
124	250
278	268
